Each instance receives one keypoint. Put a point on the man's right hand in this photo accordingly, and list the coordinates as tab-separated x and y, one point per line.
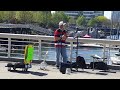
64	37
57	38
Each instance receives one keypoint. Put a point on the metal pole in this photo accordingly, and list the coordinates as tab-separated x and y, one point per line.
9	47
104	48
118	30
109	59
77	43
77	48
111	29
39	52
93	64
71	49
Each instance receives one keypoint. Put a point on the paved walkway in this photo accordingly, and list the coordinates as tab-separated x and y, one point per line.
53	73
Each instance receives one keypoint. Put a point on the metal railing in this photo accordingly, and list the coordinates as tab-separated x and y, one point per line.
12	45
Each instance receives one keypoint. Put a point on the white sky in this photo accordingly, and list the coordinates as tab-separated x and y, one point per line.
106	14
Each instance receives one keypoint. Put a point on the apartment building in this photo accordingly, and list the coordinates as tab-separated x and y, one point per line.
87	14
73	14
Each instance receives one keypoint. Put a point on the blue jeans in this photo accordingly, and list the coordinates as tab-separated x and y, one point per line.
62	51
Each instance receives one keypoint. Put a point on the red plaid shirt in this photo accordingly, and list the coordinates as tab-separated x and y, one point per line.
59	33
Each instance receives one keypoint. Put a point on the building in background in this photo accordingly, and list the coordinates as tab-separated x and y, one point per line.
87	14
115	17
73	14
99	13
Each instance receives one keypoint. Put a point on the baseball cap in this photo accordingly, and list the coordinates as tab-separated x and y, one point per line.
61	23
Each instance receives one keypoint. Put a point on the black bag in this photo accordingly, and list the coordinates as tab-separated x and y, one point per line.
19	65
63	67
9	65
99	65
80	62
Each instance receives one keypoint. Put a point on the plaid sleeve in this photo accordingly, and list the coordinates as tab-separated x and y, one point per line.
64	32
56	34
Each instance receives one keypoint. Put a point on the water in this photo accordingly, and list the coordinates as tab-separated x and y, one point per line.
86	52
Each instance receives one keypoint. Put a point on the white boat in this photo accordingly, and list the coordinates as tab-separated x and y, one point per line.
116	59
91	45
88	45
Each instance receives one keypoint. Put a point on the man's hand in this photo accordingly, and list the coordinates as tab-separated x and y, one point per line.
64	37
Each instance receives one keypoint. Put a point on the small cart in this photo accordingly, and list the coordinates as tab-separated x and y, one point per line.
29	51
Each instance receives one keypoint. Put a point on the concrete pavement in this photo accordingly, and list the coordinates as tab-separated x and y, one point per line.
53	73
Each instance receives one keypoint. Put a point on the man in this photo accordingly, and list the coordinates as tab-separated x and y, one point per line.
60	37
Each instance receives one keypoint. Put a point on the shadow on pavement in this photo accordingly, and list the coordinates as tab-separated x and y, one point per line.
109	71
92	72
38	73
29	72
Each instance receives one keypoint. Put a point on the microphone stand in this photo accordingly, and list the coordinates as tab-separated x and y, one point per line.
77	43
76	36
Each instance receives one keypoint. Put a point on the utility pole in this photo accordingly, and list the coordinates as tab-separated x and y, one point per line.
118	26
118	30
111	29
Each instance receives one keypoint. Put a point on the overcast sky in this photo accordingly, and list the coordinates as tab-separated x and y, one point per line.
107	14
